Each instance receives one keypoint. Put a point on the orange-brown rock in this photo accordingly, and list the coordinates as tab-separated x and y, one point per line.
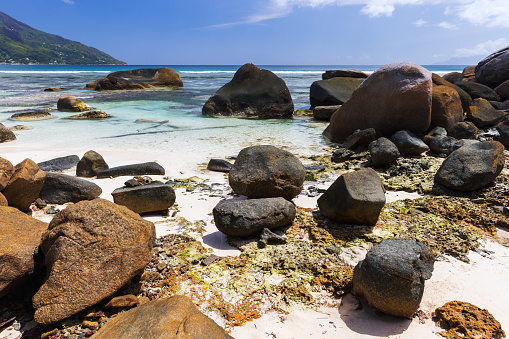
122	301
6	172
91	249
464	320
482	113
19	238
3	200
466	99
25	184
446	109
137	79
168	318
469	73
395	97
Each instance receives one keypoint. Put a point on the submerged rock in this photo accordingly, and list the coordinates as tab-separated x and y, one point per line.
137	79
92	115
265	171
32	116
241	218
391	277
253	92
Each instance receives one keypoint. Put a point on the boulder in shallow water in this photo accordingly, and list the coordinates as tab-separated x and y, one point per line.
334	91
241	218
155	196
32	116
25	184
391	277
72	104
324	112
90	164
61	188
137	79
253	92
91	249
6	134
19	239
92	115
343	73
397	96
266	171
146	168
472	166
167	318
354	198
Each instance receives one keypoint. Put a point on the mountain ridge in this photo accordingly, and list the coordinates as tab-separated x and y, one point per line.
22	44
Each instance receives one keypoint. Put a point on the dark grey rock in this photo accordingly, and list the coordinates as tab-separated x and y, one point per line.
152	197
354	198
253	92
409	143
60	189
343	73
333	91
453	77
391	277
476	90
472	166
443	144
482	113
268	237
90	164
383	152
503	132
247	217
146	168
59	164
360	139
494	69
219	165
6	134
341	154
464	142
464	130
324	112
265	171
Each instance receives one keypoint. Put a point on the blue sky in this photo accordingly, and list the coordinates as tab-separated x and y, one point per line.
265	32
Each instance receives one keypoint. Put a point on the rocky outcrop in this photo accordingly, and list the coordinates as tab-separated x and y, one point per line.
152	197
59	164
146	168
446	108
383	152
453	77
19	239
472	166
397	96
494	69
482	113
241	218
391	277
92	115
25	184
72	104
334	91
32	116
6	172
91	249
167	318
343	73
324	112
137	79
409	143
253	92
476	90
354	198
266	171
90	164
219	165
6	134
61	188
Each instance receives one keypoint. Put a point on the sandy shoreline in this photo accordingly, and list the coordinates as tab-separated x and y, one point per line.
482	282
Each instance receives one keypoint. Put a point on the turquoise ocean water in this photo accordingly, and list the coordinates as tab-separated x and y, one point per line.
180	128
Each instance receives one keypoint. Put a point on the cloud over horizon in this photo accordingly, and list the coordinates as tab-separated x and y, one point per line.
482	49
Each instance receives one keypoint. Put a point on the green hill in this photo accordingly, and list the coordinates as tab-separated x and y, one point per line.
20	43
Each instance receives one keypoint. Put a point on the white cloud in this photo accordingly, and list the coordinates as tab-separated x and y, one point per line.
447	25
483	49
490	13
70	2
420	23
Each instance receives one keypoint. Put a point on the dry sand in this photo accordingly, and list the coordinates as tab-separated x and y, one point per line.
483	282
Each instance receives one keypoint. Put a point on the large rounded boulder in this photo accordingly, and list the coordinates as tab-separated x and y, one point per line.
494	69
472	166
446	109
253	92
266	171
397	96
137	79
334	91
91	249
391	277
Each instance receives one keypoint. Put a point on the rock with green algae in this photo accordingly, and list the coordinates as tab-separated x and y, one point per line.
464	320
